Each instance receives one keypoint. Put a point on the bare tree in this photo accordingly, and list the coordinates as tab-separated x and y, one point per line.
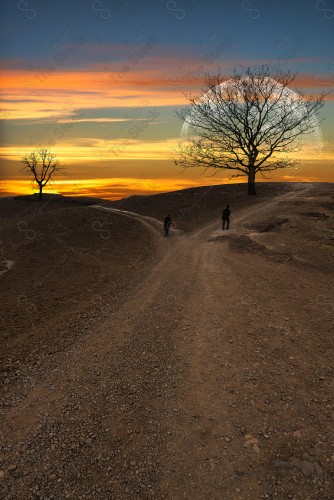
247	124
43	165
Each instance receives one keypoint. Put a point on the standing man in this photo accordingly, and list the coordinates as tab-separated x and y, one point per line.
226	217
167	223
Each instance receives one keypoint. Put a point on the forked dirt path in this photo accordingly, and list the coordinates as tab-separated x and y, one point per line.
202	385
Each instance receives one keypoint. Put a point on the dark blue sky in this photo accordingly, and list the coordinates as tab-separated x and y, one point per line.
259	28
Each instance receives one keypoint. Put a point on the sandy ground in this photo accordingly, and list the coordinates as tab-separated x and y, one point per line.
194	366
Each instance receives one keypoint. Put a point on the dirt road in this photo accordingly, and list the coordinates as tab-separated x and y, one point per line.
213	378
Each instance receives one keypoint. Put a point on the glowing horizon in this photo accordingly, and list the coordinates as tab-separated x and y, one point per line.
119	188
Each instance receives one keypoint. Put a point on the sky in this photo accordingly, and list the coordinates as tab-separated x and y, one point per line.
99	82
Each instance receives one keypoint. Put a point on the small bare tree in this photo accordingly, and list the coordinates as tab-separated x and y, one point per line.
246	124
43	165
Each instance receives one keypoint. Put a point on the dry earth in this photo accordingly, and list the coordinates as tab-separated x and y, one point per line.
195	366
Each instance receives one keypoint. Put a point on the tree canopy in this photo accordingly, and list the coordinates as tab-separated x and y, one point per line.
247	124
42	164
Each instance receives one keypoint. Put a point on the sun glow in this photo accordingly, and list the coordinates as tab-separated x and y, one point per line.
110	189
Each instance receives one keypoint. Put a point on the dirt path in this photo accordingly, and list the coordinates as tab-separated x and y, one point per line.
209	382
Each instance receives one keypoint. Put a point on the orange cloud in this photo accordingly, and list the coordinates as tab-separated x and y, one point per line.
26	95
72	150
34	95
110	151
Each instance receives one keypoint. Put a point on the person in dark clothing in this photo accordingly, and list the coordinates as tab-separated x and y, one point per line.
167	223
226	217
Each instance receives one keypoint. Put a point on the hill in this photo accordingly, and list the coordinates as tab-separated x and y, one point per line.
194	366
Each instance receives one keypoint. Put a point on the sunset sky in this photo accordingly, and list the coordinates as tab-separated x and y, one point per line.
99	82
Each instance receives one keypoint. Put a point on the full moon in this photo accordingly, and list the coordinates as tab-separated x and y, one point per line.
309	144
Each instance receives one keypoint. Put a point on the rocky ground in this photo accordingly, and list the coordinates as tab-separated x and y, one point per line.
194	366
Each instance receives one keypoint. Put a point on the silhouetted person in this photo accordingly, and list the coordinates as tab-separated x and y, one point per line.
226	217
167	223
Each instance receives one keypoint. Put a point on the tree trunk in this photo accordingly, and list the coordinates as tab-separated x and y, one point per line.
40	192
251	181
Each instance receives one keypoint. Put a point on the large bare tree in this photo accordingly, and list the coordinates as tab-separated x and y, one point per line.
248	124
43	165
